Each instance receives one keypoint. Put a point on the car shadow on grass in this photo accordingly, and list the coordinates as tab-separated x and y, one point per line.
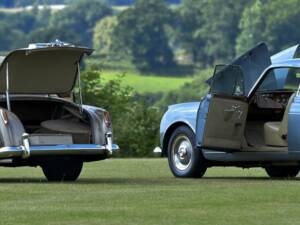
109	181
142	181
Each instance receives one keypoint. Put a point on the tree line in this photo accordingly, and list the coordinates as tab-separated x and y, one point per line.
207	31
23	3
152	34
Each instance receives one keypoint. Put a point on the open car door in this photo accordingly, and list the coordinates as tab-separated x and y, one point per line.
227	112
222	116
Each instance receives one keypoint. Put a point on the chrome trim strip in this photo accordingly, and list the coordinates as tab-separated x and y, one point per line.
25	147
109	143
268	156
80	88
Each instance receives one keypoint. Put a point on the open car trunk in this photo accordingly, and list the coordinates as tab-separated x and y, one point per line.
52	117
50	127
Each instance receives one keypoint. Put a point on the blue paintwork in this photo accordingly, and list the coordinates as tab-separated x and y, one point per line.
202	114
184	113
293	125
289	53
194	115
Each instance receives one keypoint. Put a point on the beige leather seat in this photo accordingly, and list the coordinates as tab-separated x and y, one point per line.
276	132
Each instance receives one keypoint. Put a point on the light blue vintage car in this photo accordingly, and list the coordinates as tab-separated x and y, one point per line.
249	118
40	123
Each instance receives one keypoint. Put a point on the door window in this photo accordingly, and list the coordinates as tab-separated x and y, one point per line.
281	79
228	80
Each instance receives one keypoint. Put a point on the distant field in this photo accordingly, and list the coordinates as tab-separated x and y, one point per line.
170	79
143	191
148	83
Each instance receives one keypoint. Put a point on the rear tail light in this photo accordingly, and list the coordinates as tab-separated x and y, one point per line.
107	119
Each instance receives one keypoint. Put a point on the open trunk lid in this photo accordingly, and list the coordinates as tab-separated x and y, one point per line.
41	70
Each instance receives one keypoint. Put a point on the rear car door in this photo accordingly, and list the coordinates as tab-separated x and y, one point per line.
227	111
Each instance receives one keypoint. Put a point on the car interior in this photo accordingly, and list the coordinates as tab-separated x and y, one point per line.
46	122
258	122
267	120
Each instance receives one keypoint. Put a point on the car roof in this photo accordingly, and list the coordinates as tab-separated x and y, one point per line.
287	63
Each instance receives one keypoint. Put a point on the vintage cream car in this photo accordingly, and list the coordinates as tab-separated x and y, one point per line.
249	118
39	124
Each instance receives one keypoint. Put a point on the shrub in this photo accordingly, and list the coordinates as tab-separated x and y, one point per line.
136	125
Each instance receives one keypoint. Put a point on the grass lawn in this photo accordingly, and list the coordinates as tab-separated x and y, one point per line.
148	83
143	191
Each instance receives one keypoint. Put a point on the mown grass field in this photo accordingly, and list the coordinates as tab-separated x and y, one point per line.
143	191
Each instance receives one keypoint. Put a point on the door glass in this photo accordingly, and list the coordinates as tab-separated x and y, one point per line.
281	79
228	80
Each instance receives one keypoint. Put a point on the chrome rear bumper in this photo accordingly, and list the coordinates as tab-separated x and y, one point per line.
57	150
26	150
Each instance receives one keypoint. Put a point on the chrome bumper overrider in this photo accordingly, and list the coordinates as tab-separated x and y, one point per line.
25	151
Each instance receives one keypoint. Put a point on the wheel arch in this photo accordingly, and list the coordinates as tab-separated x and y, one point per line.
169	132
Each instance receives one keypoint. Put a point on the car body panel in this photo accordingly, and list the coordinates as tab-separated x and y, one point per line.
185	113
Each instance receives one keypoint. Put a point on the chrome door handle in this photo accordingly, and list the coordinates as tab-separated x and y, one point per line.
233	108
229	110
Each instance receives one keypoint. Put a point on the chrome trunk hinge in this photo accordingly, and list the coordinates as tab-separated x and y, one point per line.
79	86
7	88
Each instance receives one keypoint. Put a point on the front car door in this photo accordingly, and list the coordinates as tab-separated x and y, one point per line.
222	114
227	112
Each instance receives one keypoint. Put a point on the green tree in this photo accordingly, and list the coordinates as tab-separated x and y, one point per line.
275	22
209	28
10	38
188	33
103	32
141	32
80	18
252	25
282	24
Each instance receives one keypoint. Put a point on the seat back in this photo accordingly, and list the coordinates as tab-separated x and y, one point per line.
11	128
284	123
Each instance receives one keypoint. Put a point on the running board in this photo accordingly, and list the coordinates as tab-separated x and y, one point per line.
56	150
251	156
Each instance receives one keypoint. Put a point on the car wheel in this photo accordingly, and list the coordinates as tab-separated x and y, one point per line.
184	159
282	171
62	169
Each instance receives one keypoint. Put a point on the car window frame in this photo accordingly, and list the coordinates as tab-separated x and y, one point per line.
244	95
262	76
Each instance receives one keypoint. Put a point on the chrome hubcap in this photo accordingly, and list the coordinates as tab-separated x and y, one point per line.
182	152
